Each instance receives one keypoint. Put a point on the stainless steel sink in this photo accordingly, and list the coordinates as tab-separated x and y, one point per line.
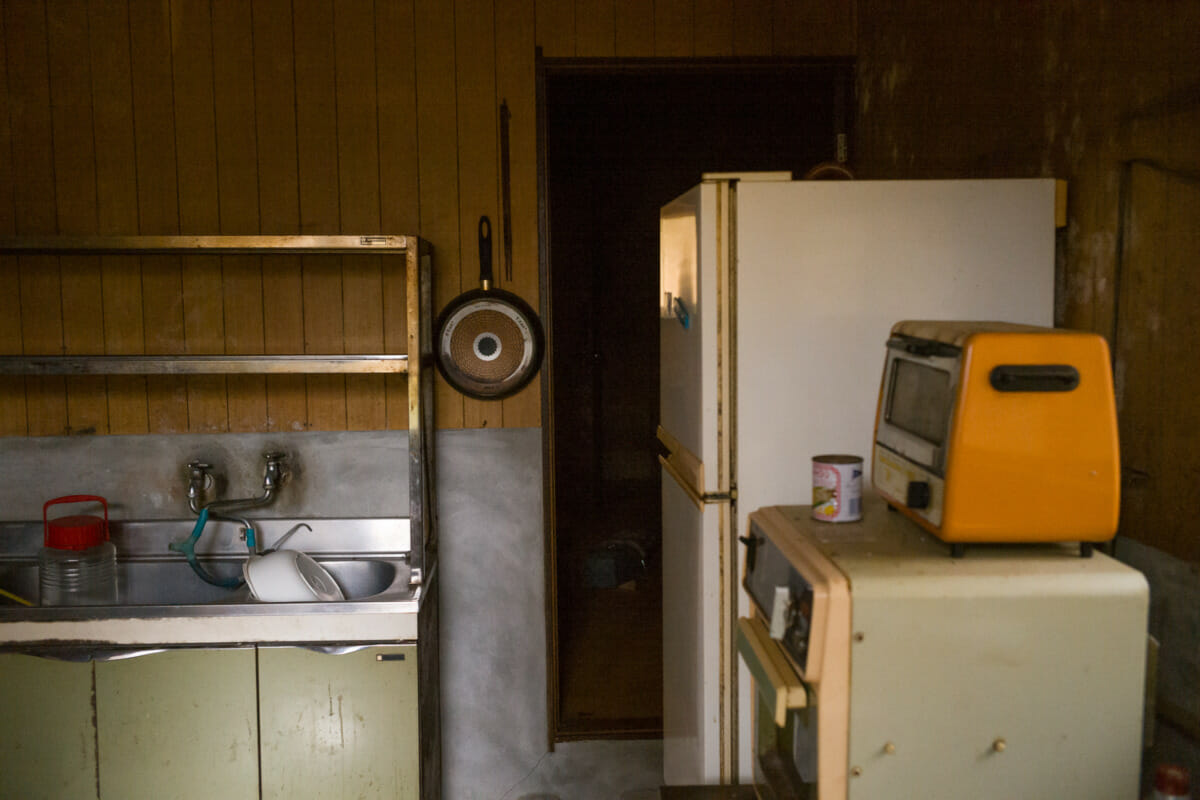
162	583
367	558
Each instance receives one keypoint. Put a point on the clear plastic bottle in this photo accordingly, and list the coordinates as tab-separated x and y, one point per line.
78	564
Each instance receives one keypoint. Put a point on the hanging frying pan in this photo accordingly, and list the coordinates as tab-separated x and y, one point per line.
488	342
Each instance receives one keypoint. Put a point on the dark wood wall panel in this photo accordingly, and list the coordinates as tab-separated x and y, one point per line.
276	117
515	84
399	189
279	203
437	151
358	191
117	205
237	197
13	421
478	159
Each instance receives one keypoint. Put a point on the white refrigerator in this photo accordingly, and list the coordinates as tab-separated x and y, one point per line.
777	299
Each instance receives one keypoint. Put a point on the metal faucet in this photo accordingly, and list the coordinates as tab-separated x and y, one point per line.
199	478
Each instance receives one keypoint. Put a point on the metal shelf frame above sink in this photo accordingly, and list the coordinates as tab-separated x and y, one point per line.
203	365
207	245
214	364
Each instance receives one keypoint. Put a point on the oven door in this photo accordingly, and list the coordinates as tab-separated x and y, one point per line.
784	718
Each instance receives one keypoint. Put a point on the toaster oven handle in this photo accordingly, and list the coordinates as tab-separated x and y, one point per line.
1034	378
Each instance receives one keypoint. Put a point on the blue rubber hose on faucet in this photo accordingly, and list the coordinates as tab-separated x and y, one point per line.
188	548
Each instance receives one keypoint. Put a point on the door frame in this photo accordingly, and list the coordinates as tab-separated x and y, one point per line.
843	112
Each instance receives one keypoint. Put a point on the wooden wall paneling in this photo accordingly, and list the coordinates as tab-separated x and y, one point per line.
554	27
634	28
478	161
158	204
1154	357
34	204
358	181
42	334
400	211
437	141
29	116
1178	529
237	185
317	148
595	29
515	82
199	211
12	389
279	204
814	28
674	27
75	193
117	205
753	22
714	28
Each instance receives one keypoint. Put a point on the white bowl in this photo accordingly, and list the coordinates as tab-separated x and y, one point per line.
289	576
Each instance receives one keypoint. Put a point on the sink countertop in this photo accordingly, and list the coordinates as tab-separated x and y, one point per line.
259	623
388	616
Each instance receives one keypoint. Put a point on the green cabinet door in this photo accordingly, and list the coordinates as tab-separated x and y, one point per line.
48	739
179	724
338	726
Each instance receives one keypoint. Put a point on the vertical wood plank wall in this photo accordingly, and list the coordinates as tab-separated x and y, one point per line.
291	116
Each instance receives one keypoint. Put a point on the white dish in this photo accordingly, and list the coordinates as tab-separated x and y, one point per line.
289	576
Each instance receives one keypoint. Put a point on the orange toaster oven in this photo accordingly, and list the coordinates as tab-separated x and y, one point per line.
994	432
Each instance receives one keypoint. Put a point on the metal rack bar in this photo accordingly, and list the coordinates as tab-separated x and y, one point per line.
204	245
202	365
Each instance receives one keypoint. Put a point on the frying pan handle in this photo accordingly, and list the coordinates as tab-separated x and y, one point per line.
485	252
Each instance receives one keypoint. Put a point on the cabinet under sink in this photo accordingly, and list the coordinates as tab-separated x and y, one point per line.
249	722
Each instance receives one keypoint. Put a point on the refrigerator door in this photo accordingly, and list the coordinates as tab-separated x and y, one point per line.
699	587
691	681
689	383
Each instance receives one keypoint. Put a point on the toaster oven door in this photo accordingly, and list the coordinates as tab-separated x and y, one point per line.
916	406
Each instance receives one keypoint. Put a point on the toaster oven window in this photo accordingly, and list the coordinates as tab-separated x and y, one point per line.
919	400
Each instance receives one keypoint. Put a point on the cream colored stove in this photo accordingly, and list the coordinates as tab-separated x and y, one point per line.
884	668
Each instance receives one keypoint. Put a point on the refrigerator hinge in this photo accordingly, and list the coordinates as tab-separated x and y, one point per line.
720	497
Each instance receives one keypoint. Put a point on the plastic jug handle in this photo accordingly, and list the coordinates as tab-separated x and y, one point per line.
76	498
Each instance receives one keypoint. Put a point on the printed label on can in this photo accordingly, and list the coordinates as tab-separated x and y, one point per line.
837	488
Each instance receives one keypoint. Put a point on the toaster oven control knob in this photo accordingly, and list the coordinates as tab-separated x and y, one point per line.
919	495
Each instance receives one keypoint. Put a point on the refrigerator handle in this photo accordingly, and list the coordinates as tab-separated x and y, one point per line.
683	482
688	472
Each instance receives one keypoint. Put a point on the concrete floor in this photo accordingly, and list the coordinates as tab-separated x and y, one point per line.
595	770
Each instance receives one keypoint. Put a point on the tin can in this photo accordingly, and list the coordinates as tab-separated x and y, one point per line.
837	488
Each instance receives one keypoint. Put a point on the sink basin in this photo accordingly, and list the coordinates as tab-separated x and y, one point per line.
171	582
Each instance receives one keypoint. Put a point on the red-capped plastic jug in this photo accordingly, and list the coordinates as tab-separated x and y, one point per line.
77	566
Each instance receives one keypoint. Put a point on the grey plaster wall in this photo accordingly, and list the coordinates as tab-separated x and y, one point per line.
361	474
493	610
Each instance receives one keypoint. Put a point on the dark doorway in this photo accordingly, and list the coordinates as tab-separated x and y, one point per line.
621	140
